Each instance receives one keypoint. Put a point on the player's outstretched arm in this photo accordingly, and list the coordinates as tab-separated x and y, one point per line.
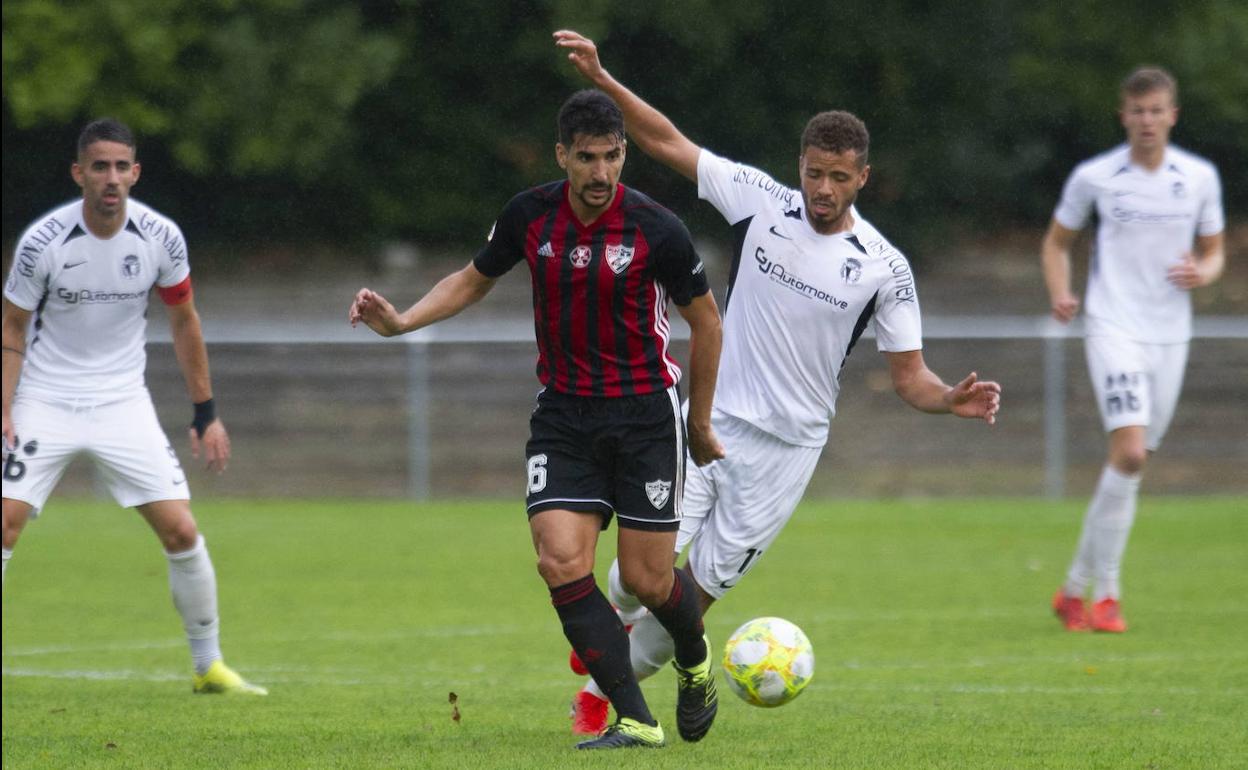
207	432
1203	267
13	331
1055	259
451	295
705	339
919	387
658	136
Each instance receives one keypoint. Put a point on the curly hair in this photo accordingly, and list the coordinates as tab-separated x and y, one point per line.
592	113
837	131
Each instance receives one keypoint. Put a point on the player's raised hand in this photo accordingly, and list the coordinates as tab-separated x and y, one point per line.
376	313
215	444
581	52
1186	274
974	399
1065	307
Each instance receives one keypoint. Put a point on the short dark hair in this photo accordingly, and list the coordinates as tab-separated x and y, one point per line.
105	130
837	131
592	113
1147	79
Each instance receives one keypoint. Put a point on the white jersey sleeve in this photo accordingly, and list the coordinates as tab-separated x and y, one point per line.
1211	220
738	191
172	262
1077	202
898	323
33	261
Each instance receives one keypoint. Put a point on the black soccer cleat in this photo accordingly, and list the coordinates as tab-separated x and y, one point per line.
697	700
627	734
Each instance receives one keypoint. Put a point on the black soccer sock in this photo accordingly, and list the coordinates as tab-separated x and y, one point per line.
600	641
681	615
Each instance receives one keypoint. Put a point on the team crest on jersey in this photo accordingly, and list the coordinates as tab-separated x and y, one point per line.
130	266
580	256
851	270
619	257
1178	190
658	492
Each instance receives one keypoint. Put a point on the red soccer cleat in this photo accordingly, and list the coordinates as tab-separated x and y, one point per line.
1069	610
589	714
1107	616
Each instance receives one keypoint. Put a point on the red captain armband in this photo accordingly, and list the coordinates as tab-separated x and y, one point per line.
177	294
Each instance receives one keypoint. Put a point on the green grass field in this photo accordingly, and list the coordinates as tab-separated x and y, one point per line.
934	643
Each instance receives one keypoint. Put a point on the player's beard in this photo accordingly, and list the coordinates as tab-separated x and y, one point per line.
587	190
837	215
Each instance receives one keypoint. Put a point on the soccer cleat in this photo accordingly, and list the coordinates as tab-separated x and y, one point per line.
627	734
220	678
1107	616
1069	610
589	714
697	700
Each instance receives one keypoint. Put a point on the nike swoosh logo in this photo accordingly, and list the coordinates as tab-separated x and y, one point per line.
70	265
777	233
1121	193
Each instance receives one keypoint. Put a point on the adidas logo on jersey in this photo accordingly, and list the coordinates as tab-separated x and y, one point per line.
545	250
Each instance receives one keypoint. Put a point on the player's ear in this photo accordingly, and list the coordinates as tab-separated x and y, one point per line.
75	171
135	169
561	155
863	176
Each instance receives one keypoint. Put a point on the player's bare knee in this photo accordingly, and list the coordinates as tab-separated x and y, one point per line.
561	569
180	536
1129	460
16	513
652	588
1132	463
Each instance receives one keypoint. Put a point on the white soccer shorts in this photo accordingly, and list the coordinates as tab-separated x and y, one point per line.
736	507
1136	383
124	438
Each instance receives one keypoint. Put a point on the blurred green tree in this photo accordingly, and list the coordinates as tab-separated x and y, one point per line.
355	123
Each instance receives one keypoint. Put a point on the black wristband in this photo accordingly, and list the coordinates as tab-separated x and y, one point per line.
205	413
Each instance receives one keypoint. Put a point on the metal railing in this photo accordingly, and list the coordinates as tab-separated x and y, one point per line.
423	350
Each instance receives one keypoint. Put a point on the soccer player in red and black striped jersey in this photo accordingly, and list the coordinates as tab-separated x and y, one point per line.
607	437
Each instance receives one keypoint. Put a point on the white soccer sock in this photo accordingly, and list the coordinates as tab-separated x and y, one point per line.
8	554
1079	576
650	647
193	583
1114	506
628	607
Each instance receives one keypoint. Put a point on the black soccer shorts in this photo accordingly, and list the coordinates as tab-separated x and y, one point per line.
623	455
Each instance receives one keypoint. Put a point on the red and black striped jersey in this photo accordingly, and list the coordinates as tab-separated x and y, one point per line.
599	290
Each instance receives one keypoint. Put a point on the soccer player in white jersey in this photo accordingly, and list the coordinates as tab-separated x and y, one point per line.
74	327
1159	235
808	276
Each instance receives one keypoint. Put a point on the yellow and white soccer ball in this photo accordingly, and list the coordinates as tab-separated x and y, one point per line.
768	662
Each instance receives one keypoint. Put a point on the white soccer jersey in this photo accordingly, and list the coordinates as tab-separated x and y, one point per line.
1147	221
89	300
797	303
